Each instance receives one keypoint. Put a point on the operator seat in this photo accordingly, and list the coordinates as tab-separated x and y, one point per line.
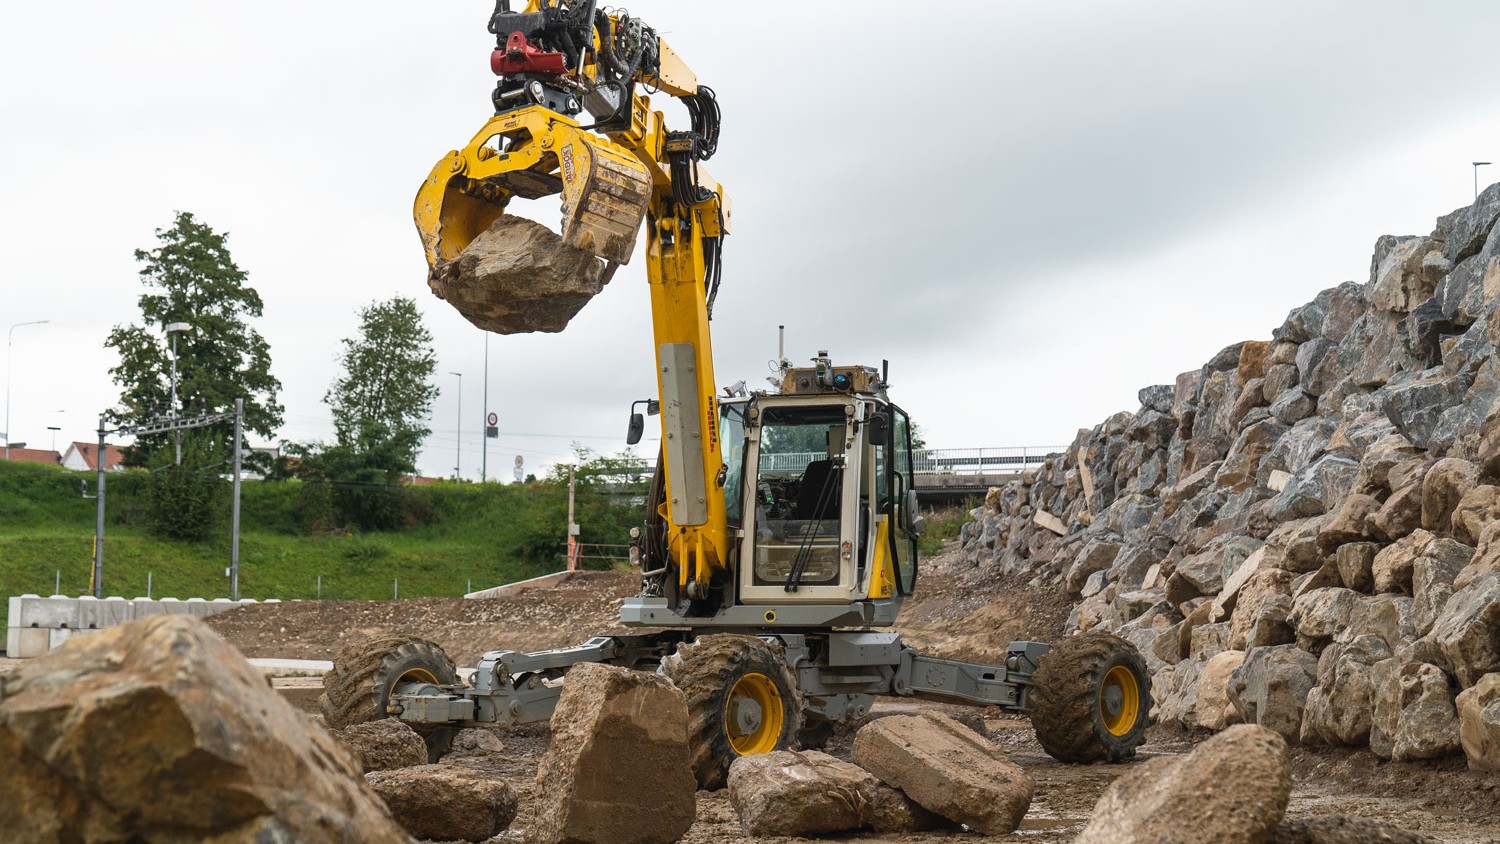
820	473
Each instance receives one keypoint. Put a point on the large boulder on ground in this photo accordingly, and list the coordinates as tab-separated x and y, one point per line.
1213	710
804	793
1338	708
519	276
384	744
1468	629
1444	486
947	768
160	730
1271	687
446	802
1232	789
1479	723
1414	716
612	727
1337	829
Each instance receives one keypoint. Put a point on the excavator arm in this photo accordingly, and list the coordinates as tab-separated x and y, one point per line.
558	63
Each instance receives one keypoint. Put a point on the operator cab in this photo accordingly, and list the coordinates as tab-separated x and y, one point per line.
824	503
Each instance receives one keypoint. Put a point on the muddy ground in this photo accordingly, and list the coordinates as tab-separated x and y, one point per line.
959	613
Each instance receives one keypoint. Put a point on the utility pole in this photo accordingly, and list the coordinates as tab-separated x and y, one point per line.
9	343
173	329
458	431
234	512
484	438
572	528
98	577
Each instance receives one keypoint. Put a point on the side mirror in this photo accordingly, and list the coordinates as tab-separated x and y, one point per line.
910	510
637	428
879	427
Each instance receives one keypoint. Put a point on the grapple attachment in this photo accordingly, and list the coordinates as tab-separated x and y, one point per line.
532	153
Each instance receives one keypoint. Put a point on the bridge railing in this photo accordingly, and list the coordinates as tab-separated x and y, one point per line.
982	461
942	461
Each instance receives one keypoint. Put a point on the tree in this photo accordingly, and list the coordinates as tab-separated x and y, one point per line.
359	481
386	378
191	278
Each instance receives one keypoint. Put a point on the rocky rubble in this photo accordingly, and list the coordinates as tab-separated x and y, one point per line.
1303	533
158	730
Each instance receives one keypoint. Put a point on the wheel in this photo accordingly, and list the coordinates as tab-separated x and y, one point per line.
358	687
741	699
1091	699
815	733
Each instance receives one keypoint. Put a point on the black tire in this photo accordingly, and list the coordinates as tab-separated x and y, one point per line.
358	687
713	671
816	732
1091	700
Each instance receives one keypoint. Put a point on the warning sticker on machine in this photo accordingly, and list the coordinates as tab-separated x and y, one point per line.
567	163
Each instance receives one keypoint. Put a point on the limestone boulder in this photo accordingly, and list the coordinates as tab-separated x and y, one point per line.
1399	515
1387	617
1316	489
1414	714
1478	509
1468	630
1392	567
1095	556
446	802
1213	710
160	730
1232	788
1479	723
1356	565
1260	586
1337	829
1399	283
1273	623
384	744
800	793
1339	707
1486	559
1432	579
946	768
518	277
1323	613
1350	523
611	725
1270	688
1443	488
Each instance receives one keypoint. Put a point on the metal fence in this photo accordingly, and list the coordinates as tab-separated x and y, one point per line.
982	461
944	461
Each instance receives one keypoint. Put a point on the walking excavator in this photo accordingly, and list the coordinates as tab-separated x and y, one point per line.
780	532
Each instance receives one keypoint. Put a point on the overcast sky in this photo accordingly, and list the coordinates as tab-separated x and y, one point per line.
1031	209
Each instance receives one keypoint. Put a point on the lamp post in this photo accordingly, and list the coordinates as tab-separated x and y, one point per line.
173	329
9	342
1477	165
458	430
54	429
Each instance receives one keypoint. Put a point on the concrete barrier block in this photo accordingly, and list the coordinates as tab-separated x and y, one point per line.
145	607
30	642
12	641
97	615
57	636
35	611
173	606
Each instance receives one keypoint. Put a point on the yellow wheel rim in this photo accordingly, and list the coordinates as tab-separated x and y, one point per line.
1119	700
417	675
753	715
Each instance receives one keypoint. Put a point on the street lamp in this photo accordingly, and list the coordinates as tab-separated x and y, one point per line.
458	430
1477	165
9	342
173	329
54	429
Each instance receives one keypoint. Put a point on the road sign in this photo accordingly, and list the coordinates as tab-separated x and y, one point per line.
492	419
491	432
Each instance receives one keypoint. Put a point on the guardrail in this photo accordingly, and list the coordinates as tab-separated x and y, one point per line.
982	461
944	461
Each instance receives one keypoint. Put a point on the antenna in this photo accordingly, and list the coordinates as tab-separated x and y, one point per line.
781	342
